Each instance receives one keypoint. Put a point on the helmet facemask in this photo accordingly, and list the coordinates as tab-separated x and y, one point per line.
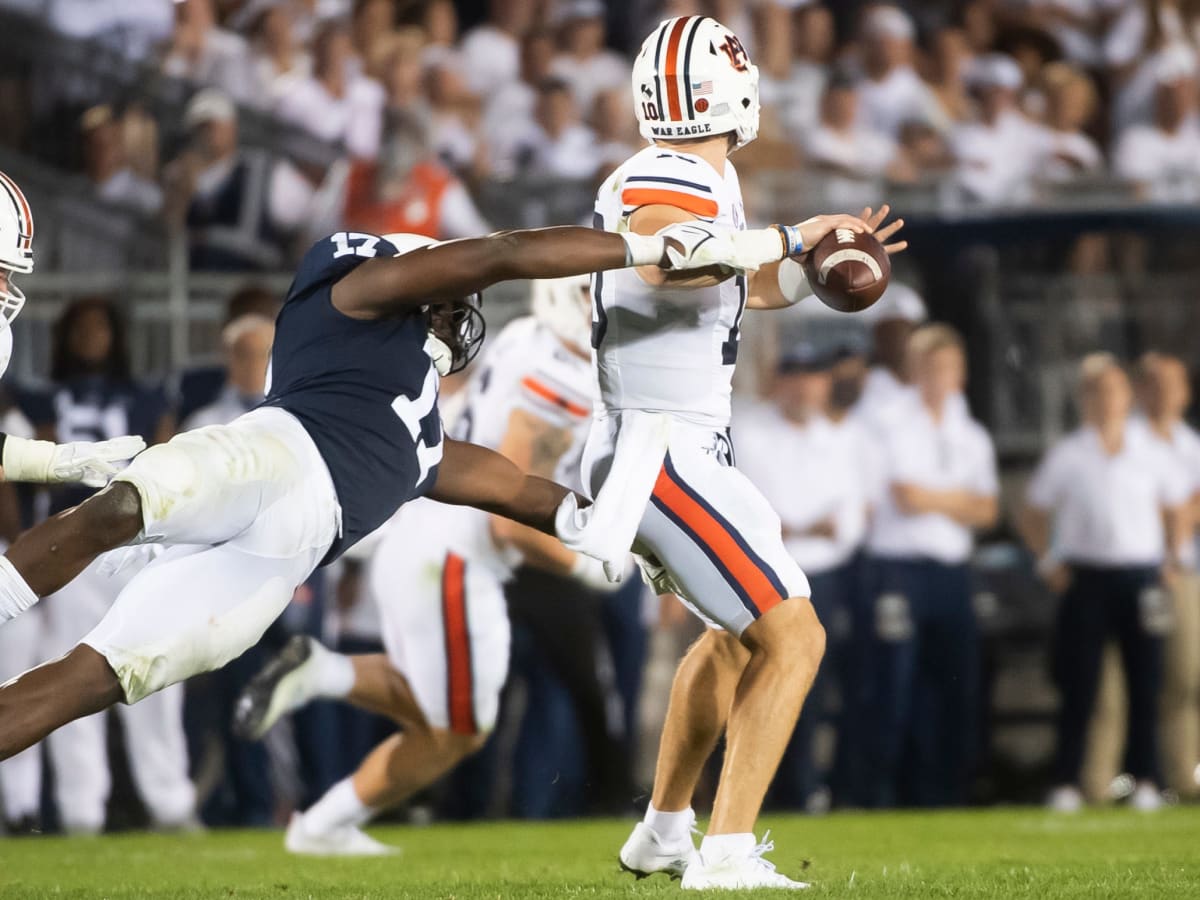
460	327
12	300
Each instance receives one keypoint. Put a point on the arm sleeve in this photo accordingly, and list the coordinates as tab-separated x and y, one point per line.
669	179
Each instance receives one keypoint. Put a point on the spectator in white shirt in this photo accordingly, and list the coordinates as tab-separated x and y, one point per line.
940	471
840	144
1163	159
559	145
106	162
492	51
585	63
1164	395
247	345
509	111
334	104
811	469
950	58
893	318
996	155
202	52
1066	151
1104	514
792	84
893	92
277	61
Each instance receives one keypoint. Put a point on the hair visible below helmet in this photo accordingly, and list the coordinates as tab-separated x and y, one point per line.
458	324
693	79
16	246
564	305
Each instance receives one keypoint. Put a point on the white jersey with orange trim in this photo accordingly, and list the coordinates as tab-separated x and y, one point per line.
661	348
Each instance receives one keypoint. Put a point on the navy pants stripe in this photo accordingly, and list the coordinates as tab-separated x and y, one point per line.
1104	604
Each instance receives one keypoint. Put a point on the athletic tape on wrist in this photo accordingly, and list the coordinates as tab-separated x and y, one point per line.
643	249
793	243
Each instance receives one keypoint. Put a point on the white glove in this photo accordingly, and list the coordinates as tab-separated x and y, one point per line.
591	573
713	245
43	462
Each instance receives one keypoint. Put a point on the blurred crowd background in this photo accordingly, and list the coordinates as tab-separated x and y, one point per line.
990	478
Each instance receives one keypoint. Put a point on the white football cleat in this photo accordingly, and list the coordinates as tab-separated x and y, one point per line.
646	853
738	872
284	684
348	841
1146	797
1065	799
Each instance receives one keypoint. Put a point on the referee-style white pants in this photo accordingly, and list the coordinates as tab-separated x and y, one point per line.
154	737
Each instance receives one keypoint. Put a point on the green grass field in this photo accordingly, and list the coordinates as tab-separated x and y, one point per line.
993	854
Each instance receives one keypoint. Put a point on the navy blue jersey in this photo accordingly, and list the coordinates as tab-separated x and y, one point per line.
366	391
95	408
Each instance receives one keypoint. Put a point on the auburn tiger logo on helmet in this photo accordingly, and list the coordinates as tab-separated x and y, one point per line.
693	78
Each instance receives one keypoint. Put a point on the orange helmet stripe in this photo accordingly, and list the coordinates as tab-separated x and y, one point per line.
671	75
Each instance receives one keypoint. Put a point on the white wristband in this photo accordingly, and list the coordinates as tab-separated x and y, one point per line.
793	282
643	249
754	249
26	460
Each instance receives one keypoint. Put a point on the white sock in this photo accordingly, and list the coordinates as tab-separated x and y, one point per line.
332	673
339	808
670	826
16	595
716	847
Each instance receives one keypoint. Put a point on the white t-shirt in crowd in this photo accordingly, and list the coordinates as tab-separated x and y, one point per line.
135	27
884	396
1168	163
1064	155
573	154
899	97
796	99
221	63
355	118
128	189
605	71
1107	510
953	454
810	473
495	59
860	151
996	162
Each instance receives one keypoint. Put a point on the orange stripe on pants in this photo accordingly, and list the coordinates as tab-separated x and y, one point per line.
741	567
459	687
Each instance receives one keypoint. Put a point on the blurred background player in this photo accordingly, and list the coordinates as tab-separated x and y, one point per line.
1164	396
669	345
93	397
940	487
1105	513
437	573
817	475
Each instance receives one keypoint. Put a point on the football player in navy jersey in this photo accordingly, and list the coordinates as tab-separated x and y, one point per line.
23	459
349	432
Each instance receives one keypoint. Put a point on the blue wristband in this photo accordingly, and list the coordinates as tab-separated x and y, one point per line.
793	244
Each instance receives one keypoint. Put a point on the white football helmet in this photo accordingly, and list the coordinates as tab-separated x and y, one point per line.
16	246
694	78
564	305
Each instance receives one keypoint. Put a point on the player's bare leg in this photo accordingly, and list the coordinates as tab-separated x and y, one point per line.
701	696
51	554
786	645
43	699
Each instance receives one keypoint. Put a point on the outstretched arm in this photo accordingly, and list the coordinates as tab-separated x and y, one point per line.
386	285
470	475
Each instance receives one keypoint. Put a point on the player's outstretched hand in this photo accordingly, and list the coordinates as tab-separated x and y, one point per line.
885	233
91	464
812	230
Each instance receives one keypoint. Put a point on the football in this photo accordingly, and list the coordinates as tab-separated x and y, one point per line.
848	271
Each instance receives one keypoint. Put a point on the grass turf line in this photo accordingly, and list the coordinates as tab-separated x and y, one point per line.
977	854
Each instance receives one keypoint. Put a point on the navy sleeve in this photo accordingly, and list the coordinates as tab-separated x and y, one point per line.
37	406
332	258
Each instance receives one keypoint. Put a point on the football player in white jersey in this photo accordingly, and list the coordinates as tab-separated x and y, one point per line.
438	573
24	459
667	345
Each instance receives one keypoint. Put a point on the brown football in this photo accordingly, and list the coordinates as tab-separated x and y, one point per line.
848	271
